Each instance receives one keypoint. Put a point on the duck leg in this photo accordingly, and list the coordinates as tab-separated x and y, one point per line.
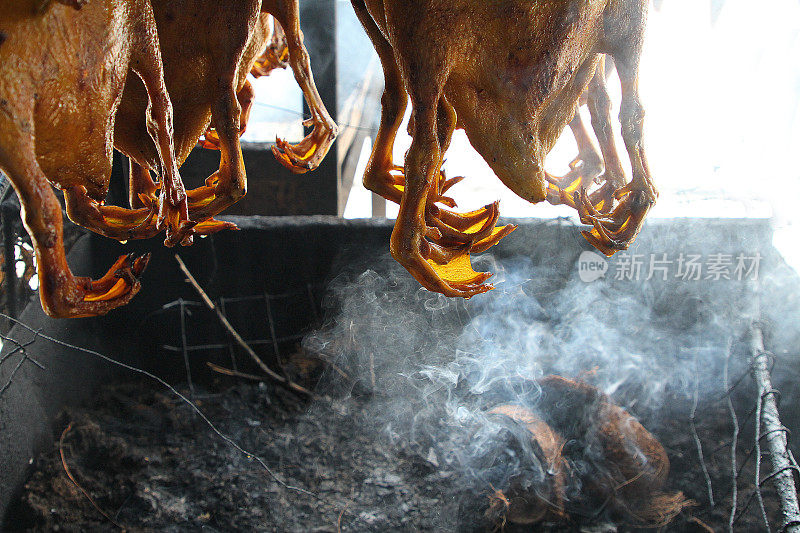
617	229
228	184
166	211
582	170
245	97
388	180
275	55
63	294
308	153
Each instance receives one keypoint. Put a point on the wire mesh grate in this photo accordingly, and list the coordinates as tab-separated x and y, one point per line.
287	317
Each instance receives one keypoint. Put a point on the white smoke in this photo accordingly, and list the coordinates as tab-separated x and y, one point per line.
436	366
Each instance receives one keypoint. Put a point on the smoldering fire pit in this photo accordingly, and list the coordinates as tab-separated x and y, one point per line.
404	432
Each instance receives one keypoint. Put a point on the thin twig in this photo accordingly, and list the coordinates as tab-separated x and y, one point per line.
19	348
339	371
734	439
701	524
736	383
13	373
10	353
238	338
339	521
745	507
234	373
71	478
697	443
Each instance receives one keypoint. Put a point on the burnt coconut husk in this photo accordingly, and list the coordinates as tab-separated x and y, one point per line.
524	507
598	447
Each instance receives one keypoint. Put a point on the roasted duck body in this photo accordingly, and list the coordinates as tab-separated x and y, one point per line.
62	72
208	52
511	74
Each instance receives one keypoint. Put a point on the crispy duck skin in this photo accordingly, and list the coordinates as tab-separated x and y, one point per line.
63	66
511	74
65	72
208	52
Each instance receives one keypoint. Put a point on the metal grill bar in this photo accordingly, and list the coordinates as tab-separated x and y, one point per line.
231	349
220	346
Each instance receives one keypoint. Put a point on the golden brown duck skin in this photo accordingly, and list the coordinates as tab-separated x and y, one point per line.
196	52
510	73
208	52
62	72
